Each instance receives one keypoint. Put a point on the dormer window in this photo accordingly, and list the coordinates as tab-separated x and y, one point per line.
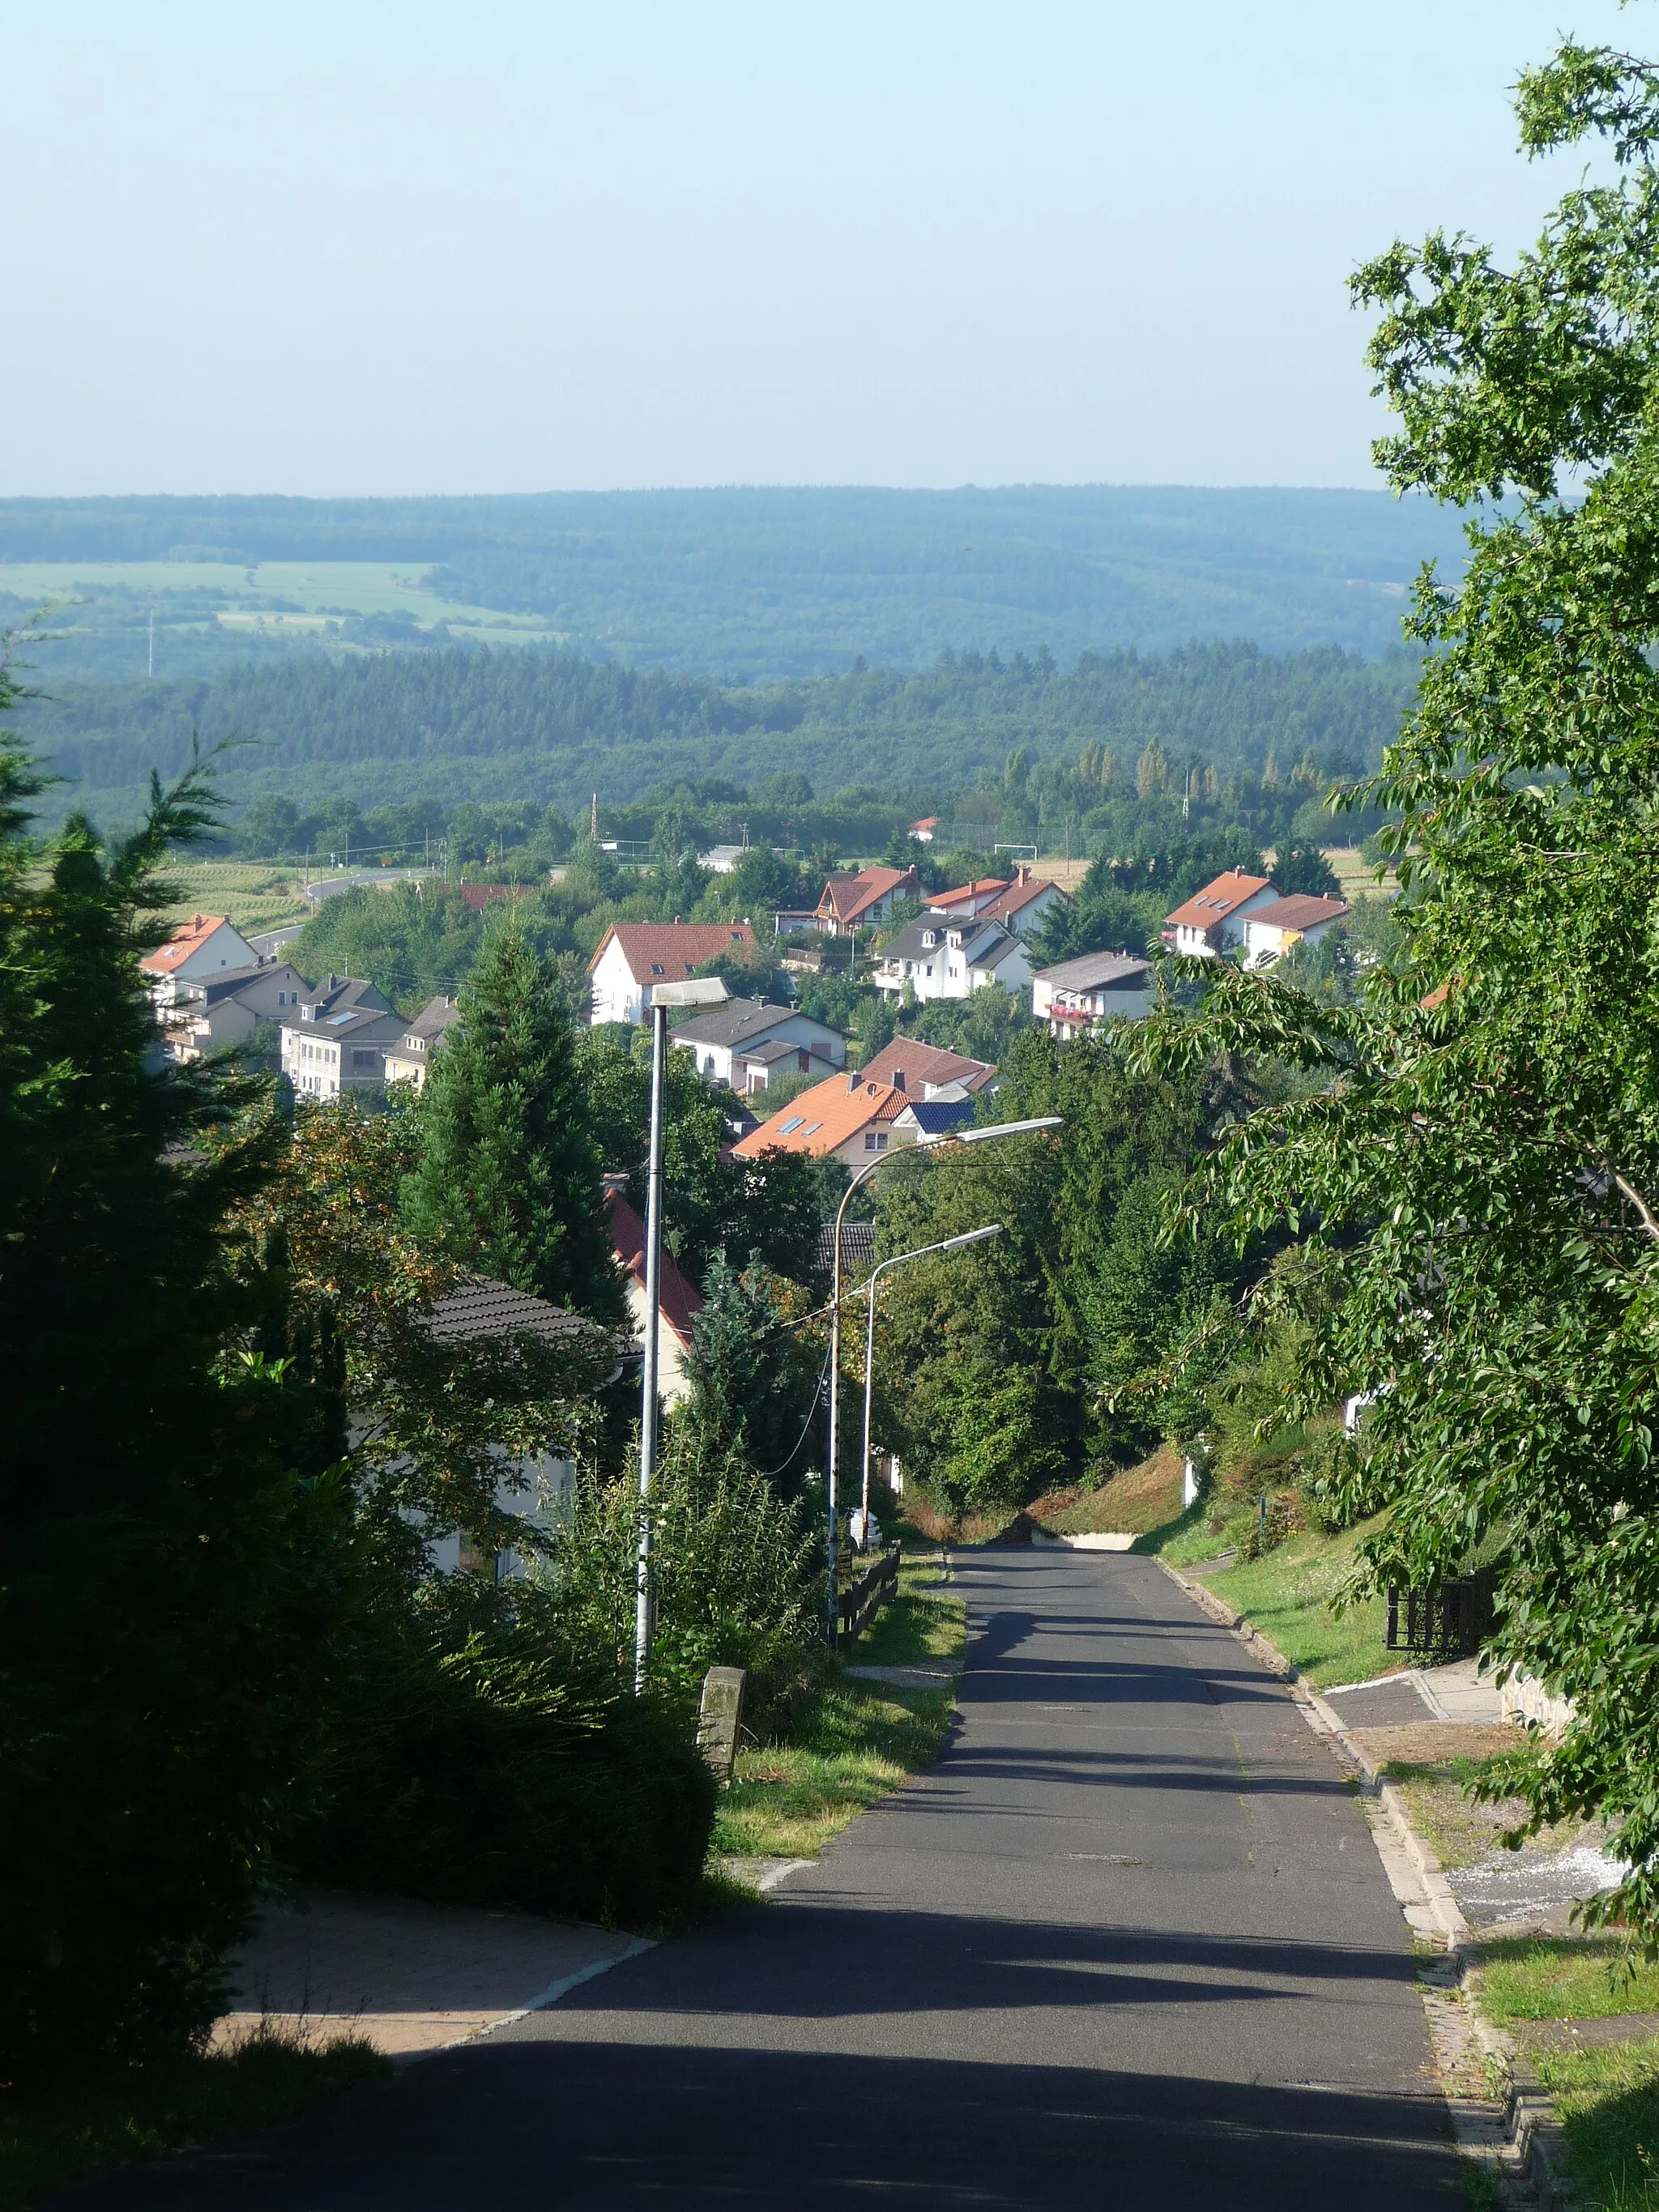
656	968
930	937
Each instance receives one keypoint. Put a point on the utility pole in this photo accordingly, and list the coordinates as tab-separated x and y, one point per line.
594	821
152	642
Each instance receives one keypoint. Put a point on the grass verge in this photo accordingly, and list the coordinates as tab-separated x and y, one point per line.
51	2137
856	1741
1439	1797
1135	1501
1607	2094
1288	1595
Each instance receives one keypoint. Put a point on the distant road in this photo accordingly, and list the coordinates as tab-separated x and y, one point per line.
1128	1945
328	887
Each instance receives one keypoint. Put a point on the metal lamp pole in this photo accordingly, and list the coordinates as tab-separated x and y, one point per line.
924	1144
922	1251
707	991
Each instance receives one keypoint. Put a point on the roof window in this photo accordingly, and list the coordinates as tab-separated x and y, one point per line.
788	1128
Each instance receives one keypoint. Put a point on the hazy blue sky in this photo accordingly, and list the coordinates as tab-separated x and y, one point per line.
378	246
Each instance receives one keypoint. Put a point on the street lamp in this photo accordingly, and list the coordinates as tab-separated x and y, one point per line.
922	1144
705	990
922	1251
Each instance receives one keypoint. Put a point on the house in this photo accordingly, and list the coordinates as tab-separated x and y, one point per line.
339	1042
924	831
921	1069
1027	903
635	955
847	1118
480	896
719	1040
859	901
933	1118
967	900
938	958
1211	922
1301	918
204	946
541	1488
407	1059
722	859
215	1011
1076	995
679	1300
756	1064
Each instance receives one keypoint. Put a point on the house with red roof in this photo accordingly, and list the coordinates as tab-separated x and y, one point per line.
678	1299
1021	904
925	830
1211	922
632	956
849	1118
859	902
204	946
928	1071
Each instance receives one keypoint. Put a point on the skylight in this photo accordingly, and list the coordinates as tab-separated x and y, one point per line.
788	1128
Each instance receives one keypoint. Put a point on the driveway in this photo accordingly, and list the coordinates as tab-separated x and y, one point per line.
1128	1945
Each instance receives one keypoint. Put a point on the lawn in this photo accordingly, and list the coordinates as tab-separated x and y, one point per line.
856	1741
1289	1596
49	2139
1136	1501
1607	2094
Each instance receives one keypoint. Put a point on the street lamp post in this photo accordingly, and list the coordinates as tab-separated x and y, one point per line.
704	991
924	1144
922	1251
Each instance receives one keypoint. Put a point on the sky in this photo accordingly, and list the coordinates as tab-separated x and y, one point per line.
372	247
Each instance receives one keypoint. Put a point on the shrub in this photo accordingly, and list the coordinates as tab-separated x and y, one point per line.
477	1763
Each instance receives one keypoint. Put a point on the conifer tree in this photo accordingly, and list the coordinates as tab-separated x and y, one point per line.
508	1181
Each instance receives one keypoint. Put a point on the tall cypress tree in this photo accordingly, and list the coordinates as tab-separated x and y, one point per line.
508	1181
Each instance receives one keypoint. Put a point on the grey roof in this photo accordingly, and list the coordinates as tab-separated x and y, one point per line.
984	944
479	1308
429	1025
362	1024
209	989
337	993
1096	971
739	1022
858	1248
780	1048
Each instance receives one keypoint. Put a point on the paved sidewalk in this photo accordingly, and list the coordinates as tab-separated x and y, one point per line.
408	1977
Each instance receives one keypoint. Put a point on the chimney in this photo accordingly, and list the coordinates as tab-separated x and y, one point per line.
896	1079
853	1082
1025	873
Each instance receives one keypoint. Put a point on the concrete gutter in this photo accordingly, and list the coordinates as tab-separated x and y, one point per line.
1519	2135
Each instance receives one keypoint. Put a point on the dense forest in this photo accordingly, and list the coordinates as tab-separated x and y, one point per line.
551	728
763	583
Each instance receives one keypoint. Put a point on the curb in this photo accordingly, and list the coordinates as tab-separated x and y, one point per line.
1520	2134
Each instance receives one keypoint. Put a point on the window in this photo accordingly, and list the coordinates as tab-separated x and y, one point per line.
656	968
811	1128
360	1057
930	937
875	1140
788	1128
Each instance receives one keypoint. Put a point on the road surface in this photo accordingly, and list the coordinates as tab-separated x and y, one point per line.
1128	1945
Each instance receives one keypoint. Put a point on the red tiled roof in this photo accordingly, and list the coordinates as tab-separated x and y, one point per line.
190	937
479	896
845	897
679	1300
668	951
921	1064
1021	894
823	1117
982	888
927	822
1300	911
1217	900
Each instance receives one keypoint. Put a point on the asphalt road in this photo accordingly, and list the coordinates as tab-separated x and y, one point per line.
1128	1945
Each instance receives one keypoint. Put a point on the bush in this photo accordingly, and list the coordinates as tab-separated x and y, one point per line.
737	1575
478	1764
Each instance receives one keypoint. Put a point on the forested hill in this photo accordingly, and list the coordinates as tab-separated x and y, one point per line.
518	723
775	582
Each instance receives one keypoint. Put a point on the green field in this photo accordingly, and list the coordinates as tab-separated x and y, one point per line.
321	590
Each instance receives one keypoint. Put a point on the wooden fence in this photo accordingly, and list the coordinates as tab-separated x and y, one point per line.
860	1601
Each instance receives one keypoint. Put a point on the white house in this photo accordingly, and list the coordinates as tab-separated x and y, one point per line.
755	1066
938	958
635	955
1211	922
720	1041
1021	903
924	831
679	1300
1302	918
1074	996
850	903
204	946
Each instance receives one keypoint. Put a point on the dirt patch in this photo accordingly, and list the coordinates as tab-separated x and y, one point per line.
1433	1744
